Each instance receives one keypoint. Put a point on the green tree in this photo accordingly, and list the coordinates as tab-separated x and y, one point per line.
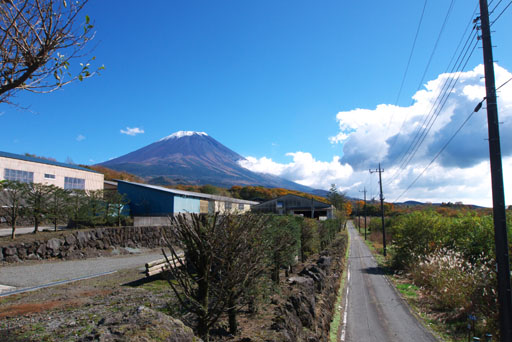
337	199
36	196
114	205
58	207
11	200
95	207
283	234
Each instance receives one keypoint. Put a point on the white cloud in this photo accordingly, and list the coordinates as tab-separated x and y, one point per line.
304	169
132	131
80	137
383	134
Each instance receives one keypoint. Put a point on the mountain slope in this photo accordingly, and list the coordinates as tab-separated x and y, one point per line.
193	158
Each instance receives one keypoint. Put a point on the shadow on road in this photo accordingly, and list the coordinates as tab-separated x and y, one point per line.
378	270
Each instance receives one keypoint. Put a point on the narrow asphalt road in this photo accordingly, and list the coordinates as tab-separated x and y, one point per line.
42	273
375	313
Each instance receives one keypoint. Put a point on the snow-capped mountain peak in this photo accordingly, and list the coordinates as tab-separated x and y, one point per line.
181	134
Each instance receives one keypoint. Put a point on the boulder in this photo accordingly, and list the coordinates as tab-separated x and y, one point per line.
9	251
138	325
53	244
70	239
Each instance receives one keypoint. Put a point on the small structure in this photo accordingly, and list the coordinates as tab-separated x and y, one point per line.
16	167
296	205
151	204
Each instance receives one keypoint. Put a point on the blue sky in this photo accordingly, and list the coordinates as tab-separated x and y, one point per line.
265	78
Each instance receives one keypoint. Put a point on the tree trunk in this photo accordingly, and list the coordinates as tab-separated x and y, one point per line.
233	327
203	292
275	270
36	225
55	224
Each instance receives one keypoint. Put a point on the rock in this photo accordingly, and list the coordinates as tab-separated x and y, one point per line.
22	252
32	256
70	239
12	258
305	281
82	238
41	250
138	325
1	254
9	251
53	244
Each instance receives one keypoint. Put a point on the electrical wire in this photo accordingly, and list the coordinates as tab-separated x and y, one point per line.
406	68
501	13
436	108
403	154
510	79
477	108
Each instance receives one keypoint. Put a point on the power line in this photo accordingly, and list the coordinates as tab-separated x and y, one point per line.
438	105
407	67
469	38
501	13
477	108
510	79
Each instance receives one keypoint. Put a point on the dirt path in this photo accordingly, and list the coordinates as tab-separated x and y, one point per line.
375	313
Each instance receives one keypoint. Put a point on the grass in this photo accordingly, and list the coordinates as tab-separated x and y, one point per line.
336	321
408	290
156	286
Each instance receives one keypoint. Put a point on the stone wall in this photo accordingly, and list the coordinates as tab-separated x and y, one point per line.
82	243
308	310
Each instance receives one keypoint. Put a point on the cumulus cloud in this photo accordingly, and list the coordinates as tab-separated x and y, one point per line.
80	137
384	133
303	169
132	131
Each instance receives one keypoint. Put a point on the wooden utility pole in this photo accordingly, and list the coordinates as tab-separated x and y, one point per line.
379	170
364	191
498	194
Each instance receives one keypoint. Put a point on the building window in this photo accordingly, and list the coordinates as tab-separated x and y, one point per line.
74	183
240	206
227	205
49	176
279	204
19	176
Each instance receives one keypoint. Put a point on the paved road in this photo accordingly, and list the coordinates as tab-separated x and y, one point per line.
375	313
26	230
41	273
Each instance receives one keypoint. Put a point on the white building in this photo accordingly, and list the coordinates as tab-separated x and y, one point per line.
16	167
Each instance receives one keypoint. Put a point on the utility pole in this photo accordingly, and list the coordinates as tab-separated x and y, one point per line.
358	217
498	194
379	170
364	191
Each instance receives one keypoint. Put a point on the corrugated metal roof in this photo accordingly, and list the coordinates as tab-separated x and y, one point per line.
317	204
43	161
190	193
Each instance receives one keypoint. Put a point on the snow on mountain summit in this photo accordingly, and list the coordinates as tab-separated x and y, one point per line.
181	134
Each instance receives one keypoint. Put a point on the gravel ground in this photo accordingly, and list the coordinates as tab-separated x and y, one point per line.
45	272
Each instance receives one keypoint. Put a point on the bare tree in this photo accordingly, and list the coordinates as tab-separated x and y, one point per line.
242	261
39	41
225	255
198	236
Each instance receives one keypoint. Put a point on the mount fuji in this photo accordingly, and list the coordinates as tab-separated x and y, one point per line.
194	158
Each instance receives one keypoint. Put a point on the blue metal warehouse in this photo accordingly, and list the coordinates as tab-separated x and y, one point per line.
152	200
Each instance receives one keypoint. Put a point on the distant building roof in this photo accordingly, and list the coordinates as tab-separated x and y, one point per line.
43	161
190	193
303	199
